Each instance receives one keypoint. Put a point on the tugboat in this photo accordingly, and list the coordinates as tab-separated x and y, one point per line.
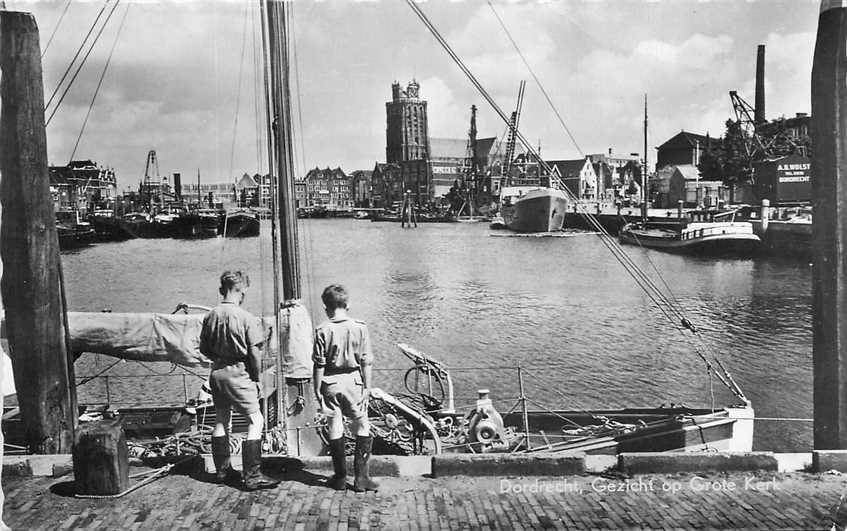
107	226
138	225
73	233
241	223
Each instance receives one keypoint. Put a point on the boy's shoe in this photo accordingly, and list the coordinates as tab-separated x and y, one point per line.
338	480
361	465
224	473
251	456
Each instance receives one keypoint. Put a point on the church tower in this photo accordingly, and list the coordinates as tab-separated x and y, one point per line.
407	136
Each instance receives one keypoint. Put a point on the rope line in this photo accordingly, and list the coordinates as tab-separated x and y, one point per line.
307	233
99	83
535	77
82	63
56	29
671	311
76	55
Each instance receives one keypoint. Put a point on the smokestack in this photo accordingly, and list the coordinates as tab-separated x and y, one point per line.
178	185
759	113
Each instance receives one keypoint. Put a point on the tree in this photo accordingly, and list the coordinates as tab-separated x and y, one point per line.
711	161
737	164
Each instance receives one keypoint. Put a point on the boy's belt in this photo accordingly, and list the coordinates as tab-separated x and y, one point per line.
220	364
333	371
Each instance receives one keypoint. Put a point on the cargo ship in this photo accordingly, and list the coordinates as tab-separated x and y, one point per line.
533	209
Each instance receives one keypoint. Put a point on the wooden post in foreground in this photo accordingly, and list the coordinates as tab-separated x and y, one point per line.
829	190
29	246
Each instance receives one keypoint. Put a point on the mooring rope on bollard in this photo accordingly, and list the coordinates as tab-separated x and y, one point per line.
153	475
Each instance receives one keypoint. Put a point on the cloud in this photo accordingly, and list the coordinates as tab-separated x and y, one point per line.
173	80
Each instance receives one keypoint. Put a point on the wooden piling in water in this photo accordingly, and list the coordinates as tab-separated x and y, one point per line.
829	228
29	246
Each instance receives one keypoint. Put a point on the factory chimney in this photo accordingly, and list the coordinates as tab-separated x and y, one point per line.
759	113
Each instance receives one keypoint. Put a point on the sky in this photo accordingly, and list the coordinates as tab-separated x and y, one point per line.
183	78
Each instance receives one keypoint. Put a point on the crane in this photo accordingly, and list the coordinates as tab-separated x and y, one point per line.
513	127
745	115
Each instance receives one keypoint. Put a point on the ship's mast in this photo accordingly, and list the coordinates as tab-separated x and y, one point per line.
644	170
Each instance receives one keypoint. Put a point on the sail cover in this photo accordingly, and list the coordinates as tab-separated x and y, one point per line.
176	337
139	336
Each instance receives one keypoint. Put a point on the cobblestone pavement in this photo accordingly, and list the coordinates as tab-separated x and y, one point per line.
737	501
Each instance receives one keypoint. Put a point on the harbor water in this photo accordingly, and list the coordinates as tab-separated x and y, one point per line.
561	307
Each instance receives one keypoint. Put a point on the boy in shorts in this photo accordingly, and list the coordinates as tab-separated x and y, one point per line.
342	378
231	338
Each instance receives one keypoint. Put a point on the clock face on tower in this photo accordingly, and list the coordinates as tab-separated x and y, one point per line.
412	91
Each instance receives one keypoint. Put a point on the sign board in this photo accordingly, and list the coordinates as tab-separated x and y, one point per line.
785	180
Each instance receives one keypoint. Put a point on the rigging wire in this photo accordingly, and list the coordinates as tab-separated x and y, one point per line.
235	126
82	63
535	77
100	82
307	234
56	29
238	92
76	55
638	275
672	312
257	116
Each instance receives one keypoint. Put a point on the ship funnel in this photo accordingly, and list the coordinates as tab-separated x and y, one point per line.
759	113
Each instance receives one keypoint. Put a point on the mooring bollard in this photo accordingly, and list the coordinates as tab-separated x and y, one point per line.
101	458
766	214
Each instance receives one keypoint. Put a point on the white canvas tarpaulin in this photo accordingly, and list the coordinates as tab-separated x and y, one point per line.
142	336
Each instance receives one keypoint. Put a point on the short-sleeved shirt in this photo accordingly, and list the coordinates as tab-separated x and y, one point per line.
228	330
342	345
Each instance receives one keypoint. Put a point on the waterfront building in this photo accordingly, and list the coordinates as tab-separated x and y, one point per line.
210	193
329	188
683	182
430	180
449	159
360	185
390	181
793	131
82	186
406	132
578	176
682	148
300	200
616	173
386	186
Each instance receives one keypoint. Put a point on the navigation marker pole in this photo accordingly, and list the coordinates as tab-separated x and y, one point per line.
829	227
29	246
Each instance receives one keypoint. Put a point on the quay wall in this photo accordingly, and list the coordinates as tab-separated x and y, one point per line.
496	465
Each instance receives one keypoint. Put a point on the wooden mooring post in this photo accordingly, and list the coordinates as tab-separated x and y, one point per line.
829	228
29	247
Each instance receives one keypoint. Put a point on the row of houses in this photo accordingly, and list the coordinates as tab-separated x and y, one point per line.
429	181
82	186
596	177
